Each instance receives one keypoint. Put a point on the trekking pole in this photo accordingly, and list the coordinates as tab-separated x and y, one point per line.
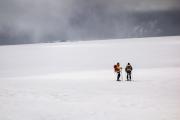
122	75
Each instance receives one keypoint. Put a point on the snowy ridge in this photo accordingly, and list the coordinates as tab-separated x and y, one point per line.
27	60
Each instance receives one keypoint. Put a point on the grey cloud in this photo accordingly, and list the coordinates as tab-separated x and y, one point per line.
27	21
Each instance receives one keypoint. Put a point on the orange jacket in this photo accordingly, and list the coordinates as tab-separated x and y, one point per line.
117	68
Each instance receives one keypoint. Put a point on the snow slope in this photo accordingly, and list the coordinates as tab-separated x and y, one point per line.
67	81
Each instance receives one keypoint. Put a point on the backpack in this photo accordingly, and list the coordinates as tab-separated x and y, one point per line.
128	68
115	68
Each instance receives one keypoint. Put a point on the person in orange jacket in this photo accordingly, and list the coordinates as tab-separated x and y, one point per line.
118	69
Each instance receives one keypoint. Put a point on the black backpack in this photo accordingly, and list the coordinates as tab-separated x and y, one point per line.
128	68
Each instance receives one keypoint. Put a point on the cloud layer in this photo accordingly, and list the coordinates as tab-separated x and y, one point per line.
27	21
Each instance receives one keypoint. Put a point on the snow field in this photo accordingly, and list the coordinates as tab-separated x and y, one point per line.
68	81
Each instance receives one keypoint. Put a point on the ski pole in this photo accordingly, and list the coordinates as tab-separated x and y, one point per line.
122	75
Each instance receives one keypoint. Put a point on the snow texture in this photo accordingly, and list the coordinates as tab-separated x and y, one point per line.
76	81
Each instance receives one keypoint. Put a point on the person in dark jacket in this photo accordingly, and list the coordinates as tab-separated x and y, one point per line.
128	70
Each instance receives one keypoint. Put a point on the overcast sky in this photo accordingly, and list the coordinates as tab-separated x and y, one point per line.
29	21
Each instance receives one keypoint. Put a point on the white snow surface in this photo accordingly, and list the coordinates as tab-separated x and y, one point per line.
76	81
